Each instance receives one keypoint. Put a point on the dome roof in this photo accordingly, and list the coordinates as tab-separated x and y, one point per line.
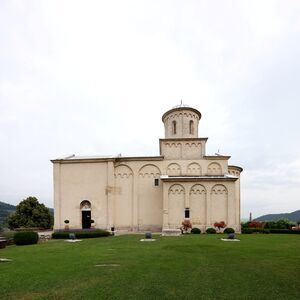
179	108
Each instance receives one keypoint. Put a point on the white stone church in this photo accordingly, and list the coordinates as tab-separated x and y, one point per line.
150	192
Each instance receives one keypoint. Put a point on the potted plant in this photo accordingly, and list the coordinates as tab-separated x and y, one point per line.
66	226
92	223
220	225
186	226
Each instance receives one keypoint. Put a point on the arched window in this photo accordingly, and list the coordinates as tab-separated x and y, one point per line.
191	127
174	127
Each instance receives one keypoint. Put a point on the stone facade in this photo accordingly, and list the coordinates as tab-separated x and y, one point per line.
153	192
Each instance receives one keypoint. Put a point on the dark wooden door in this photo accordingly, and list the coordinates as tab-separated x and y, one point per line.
86	219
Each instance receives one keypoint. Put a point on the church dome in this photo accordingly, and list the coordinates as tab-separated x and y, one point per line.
181	122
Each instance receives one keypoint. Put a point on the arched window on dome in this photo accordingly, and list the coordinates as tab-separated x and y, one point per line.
174	127
191	127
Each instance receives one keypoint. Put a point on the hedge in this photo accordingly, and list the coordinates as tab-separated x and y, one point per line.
255	230
80	234
262	230
211	230
195	230
288	231
26	238
229	230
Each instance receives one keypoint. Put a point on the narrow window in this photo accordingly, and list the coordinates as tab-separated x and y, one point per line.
156	182
174	127
187	213
191	127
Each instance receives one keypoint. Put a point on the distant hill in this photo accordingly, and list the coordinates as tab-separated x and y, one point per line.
293	216
5	210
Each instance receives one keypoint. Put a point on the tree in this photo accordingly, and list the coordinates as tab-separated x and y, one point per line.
30	213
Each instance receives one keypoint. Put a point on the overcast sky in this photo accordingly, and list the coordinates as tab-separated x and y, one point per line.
95	77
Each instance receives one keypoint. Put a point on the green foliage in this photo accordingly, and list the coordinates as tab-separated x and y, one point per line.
195	230
186	226
60	235
229	230
258	267
220	225
5	210
255	230
30	213
211	230
287	231
280	224
26	238
80	234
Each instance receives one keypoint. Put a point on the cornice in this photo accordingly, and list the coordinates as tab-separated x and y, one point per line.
184	139
216	157
110	159
197	178
237	168
197	112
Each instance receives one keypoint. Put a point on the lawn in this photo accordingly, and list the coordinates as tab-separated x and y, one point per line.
186	267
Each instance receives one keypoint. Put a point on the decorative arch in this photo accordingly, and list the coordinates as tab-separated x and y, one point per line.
149	170
150	202
219	189
123	171
214	168
85	205
219	203
173	145
123	197
198	204
194	169
174	169
176	205
197	189
176	189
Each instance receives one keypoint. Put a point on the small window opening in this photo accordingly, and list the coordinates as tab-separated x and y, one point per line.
191	127
174	127
187	213
156	182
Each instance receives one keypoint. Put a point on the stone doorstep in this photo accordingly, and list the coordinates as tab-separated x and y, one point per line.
171	232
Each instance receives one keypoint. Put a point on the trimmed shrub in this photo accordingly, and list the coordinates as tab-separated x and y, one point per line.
255	230
286	231
229	230
26	238
80	234
195	230
247	230
211	230
60	235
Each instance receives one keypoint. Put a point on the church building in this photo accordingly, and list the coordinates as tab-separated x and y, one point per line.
153	193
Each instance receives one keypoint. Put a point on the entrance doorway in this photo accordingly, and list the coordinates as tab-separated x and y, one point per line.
86	219
85	207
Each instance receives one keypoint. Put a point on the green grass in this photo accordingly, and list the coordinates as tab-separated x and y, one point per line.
186	267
